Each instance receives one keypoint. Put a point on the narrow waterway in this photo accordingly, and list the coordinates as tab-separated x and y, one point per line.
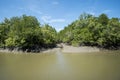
60	66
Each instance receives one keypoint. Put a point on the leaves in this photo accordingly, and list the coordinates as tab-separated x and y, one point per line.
92	31
26	32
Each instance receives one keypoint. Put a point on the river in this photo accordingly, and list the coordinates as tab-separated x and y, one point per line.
103	65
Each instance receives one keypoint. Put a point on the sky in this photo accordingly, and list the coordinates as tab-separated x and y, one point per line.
58	13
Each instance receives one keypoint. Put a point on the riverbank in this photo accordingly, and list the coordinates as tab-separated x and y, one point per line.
60	47
81	49
50	50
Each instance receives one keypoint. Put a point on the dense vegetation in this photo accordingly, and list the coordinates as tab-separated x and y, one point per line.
26	33
89	30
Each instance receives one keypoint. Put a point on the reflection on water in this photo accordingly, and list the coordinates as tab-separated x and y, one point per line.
59	66
60	58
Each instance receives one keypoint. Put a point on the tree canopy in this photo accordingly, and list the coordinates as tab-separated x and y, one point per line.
89	30
26	33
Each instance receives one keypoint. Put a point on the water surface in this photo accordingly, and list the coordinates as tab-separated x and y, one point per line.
60	66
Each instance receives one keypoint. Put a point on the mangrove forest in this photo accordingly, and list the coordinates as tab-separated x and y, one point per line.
27	34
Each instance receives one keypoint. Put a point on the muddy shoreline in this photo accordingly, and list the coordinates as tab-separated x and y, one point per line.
60	47
81	49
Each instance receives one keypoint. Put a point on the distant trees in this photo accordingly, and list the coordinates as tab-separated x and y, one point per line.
26	33
49	36
103	19
89	30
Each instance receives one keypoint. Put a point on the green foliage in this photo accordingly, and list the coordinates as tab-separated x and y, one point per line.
49	35
25	32
103	19
89	30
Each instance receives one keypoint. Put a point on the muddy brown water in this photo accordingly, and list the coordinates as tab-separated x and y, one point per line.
60	66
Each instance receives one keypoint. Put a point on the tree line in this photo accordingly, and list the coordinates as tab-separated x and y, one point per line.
90	30
26	33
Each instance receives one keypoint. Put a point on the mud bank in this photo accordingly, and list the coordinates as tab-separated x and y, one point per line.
81	49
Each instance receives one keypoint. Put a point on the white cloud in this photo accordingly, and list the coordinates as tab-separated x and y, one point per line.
106	11
59	29
91	10
92	13
32	8
57	20
55	3
35	10
48	19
